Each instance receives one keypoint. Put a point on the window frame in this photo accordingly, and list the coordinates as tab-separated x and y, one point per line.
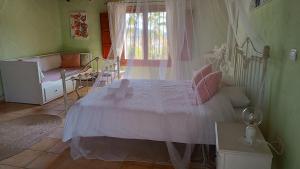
145	61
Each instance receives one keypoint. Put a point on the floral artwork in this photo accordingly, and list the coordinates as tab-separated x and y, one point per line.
79	26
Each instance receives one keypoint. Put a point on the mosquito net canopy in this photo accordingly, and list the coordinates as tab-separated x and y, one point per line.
158	45
161	39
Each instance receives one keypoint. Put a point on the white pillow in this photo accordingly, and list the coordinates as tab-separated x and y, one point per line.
220	108
236	95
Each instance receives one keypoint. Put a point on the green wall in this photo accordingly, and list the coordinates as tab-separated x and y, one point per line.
279	24
29	27
93	9
33	27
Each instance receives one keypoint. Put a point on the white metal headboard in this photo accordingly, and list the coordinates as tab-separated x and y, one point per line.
250	68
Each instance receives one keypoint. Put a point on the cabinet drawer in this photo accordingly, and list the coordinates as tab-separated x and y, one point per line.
246	161
55	90
52	92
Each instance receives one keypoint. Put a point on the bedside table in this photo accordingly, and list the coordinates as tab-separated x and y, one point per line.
234	153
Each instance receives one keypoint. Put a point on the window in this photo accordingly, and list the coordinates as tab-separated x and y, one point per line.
157	36
149	45
134	38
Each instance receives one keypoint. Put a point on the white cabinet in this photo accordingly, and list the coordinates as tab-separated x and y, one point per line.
54	89
24	78
234	153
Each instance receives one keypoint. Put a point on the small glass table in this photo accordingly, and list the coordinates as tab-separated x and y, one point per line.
84	80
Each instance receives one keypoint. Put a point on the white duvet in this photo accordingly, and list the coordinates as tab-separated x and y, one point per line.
153	110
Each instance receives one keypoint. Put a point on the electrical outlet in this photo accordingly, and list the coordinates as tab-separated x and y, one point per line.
293	55
278	144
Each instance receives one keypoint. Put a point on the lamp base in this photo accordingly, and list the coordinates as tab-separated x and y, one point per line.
250	134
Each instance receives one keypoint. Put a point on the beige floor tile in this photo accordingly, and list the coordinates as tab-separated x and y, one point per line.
65	161
9	116
58	148
28	111
13	107
62	125
57	133
21	159
43	161
136	165
163	167
51	112
95	164
45	144
19	113
59	107
62	114
49	104
8	167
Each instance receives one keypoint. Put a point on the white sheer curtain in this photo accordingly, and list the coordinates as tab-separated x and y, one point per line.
117	25
241	24
178	40
158	46
146	53
179	43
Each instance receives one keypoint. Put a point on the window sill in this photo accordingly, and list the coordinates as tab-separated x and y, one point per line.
145	63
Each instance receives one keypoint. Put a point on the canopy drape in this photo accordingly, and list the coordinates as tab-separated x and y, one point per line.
167	40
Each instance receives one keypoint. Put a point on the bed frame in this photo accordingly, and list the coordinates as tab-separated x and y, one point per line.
250	68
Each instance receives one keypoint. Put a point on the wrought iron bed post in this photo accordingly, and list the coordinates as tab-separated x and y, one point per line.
63	78
97	64
266	56
118	67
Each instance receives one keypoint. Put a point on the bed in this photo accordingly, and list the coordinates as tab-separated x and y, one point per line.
139	116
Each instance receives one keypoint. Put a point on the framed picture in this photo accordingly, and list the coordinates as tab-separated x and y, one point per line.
79	25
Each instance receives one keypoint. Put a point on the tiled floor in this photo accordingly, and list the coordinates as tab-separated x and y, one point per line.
42	154
51	152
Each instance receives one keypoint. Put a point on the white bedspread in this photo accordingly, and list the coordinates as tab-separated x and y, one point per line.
154	110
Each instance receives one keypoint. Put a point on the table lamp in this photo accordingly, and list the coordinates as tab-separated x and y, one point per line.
252	117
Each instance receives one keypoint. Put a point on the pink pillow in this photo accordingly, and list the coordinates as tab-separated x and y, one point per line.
208	86
201	73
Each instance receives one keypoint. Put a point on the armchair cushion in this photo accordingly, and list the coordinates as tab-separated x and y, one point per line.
70	60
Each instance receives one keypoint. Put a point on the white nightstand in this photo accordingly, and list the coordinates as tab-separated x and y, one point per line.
234	153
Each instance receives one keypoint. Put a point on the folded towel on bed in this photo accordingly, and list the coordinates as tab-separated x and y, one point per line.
121	91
